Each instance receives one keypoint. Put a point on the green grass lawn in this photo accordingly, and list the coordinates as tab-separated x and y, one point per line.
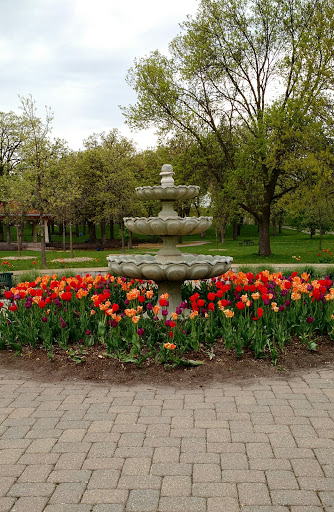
284	246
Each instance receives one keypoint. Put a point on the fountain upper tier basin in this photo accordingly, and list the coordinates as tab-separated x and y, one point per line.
168	192
145	266
167	226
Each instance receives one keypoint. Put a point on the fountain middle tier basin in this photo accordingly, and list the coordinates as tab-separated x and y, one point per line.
145	266
165	226
168	192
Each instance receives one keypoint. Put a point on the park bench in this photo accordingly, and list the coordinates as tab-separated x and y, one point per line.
246	242
6	279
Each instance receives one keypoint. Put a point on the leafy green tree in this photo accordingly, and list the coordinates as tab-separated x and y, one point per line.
38	155
107	173
65	192
11	138
257	75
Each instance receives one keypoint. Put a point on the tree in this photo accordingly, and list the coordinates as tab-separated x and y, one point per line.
257	75
38	155
107	173
64	193
11	138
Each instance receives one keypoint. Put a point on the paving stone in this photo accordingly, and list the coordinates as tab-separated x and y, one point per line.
259	450
11	470
136	466
30	504
327	498
171	469
166	454
200	458
103	463
69	475
116	507
223	504
72	447
70	461
110	496
68	493
140	482
44	445
36	473
206	473
6	504
39	458
207	489
143	500
243	476
253	494
270	464
104	479
264	508
66	507
31	489
181	504
176	486
307	509
72	435
6	483
287	497
316	483
306	467
281	480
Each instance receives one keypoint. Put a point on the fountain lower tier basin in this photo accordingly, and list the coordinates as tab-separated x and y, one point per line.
187	267
167	226
168	192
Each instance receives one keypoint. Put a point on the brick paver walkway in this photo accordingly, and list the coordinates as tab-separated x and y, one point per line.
252	446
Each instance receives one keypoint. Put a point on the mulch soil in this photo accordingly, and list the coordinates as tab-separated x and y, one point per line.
218	366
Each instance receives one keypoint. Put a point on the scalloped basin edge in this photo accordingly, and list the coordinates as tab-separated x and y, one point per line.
145	266
167	226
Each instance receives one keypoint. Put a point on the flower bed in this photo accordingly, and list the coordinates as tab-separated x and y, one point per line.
243	311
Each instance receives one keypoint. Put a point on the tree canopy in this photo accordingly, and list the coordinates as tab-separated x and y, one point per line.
256	74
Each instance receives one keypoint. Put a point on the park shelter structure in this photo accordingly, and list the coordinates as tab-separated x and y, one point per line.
30	215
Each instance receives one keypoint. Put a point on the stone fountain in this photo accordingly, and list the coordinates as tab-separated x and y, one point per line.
169	268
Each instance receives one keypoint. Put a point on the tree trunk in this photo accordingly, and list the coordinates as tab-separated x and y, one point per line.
280	225
60	229
77	230
321	232
264	233
8	233
274	226
1	232
71	241
130	240
235	230
92	233
240	224
41	220
203	234
34	232
103	231
222	233
121	224
112	230
64	235
312	232
179	239
19	233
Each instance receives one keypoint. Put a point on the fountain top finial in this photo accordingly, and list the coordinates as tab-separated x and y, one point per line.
167	174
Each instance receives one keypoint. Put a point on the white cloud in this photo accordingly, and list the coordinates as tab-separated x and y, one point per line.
73	55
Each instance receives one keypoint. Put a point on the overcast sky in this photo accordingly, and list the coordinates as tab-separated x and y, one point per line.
73	56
